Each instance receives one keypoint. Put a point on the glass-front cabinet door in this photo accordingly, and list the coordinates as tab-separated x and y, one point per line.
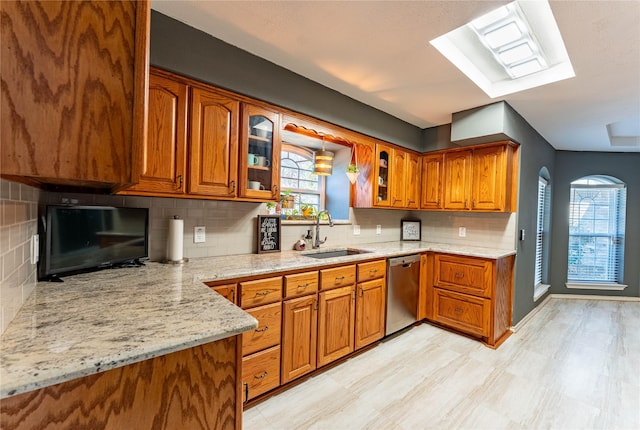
382	178
260	157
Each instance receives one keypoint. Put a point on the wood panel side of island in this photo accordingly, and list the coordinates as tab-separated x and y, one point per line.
196	388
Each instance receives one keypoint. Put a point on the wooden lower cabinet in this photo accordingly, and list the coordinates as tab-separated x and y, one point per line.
336	324
260	372
470	294
299	337
196	388
370	312
268	331
462	311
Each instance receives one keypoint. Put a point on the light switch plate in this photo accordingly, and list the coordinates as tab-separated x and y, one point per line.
462	232
378	229
356	230
199	234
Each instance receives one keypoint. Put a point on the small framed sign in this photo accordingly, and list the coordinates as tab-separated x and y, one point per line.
268	233
411	230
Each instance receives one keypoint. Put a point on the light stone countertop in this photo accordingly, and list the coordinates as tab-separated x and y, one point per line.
103	320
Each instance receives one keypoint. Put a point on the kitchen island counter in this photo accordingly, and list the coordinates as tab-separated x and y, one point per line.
97	321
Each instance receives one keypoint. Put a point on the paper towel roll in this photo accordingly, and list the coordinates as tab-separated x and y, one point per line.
175	239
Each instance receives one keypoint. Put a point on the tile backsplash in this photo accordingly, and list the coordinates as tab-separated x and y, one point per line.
18	223
230	229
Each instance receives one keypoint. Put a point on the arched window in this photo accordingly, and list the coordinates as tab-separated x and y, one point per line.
542	233
297	179
596	232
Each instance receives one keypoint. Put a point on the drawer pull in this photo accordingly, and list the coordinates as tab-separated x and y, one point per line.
459	275
261	376
373	271
458	310
303	286
263	293
260	330
340	278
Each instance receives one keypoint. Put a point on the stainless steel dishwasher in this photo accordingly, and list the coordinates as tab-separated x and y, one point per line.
402	292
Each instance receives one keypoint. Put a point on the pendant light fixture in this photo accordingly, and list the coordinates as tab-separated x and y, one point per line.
323	162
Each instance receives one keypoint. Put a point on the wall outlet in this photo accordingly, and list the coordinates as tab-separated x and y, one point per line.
378	229
356	230
199	234
462	232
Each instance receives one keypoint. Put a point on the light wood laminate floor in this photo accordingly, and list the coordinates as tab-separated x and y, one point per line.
574	365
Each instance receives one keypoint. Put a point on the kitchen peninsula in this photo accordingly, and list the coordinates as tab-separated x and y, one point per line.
114	320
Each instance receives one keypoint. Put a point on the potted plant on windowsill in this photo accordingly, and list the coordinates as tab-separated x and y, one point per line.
287	200
308	211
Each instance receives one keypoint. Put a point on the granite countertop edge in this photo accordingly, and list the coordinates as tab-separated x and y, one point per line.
92	322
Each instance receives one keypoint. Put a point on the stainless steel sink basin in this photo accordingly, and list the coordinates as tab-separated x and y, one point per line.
335	253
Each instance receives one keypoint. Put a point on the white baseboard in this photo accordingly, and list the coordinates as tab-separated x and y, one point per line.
531	314
590	297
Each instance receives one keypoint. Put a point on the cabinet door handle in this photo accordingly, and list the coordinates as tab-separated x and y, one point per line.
473	203
315	304
263	329
465	203
361	292
246	393
459	275
233	186
458	311
263	293
233	296
353	295
180	182
261	376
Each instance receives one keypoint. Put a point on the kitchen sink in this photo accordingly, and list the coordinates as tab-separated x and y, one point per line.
335	253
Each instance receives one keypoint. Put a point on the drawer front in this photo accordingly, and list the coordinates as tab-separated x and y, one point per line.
466	275
227	291
371	270
300	284
260	372
463	312
268	332
260	292
337	277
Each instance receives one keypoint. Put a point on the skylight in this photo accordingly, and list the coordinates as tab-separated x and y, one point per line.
513	48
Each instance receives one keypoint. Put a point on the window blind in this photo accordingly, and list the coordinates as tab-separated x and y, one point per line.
542	191
596	232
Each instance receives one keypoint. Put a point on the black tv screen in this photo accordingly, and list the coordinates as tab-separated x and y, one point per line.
81	238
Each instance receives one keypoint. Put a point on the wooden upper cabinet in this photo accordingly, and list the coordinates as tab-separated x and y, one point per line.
412	181
432	172
490	179
457	177
397	181
164	162
73	76
260	153
382	176
214	144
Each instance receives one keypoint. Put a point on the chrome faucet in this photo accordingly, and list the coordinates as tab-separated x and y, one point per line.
318	242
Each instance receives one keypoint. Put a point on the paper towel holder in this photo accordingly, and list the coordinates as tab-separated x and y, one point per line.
175	219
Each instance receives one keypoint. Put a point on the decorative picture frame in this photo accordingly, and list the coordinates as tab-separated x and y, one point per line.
411	230
268	233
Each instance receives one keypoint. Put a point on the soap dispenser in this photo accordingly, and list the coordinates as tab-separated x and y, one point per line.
308	239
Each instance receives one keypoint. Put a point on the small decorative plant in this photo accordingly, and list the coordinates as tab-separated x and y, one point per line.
287	200
352	168
308	211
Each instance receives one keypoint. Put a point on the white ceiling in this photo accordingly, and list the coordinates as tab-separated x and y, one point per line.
378	52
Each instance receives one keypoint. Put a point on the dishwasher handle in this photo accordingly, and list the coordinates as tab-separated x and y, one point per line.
405	261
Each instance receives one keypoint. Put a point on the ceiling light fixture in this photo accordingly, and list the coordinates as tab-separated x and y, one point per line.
323	162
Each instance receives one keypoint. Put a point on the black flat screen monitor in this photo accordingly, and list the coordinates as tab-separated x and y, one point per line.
83	238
